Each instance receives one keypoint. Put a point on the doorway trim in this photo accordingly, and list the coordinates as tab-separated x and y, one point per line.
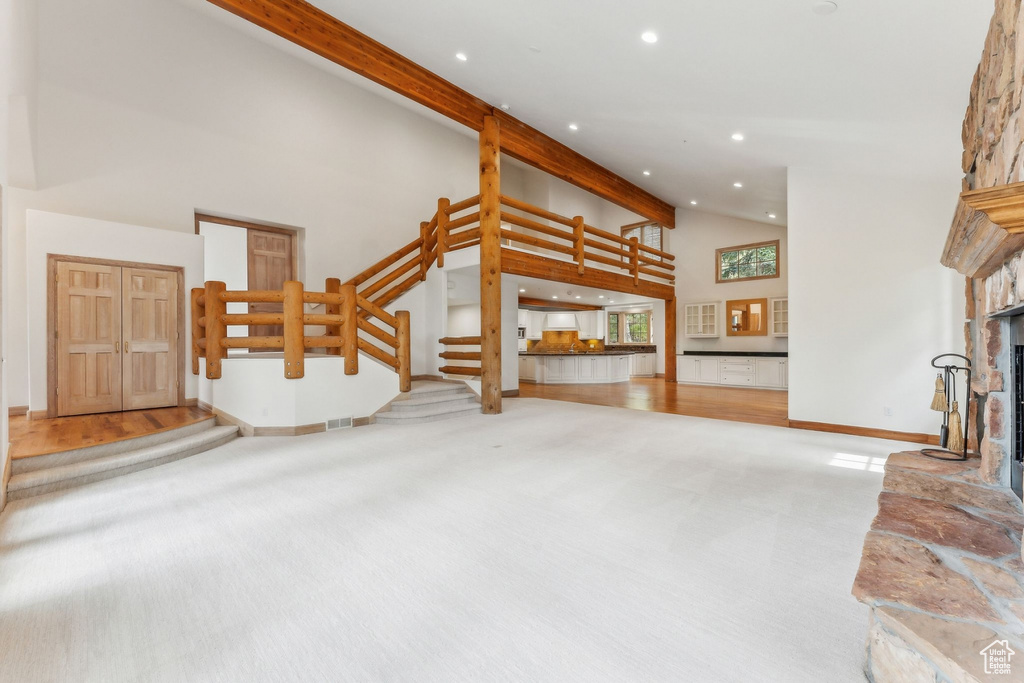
51	319
263	227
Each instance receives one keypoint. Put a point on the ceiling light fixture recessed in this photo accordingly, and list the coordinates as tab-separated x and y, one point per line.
578	296
600	296
461	56
649	37
573	126
522	291
737	184
771	215
824	7
647	173
693	202
738	137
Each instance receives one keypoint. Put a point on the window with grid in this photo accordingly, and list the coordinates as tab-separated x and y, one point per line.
629	328
648	234
747	262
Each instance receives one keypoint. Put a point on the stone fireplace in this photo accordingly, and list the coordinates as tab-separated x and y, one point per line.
942	568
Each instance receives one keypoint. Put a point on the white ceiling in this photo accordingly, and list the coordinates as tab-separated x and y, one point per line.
879	86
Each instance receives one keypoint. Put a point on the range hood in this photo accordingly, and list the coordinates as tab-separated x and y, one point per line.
561	321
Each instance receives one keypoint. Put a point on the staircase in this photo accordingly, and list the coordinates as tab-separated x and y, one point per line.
57	471
430	402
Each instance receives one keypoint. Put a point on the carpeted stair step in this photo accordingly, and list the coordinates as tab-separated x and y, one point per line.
427	414
72	474
402	405
43	462
427	388
431	401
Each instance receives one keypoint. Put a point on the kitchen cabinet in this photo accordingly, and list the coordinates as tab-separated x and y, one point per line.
535	324
529	369
740	371
643	364
701	319
593	369
592	324
779	317
523	315
561	321
579	368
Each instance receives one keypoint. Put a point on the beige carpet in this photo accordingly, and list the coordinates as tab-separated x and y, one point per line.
557	542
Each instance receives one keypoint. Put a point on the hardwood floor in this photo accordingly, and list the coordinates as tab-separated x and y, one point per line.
761	406
39	437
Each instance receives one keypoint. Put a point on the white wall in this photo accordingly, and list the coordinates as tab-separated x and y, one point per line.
51	233
147	118
226	259
869	303
697	237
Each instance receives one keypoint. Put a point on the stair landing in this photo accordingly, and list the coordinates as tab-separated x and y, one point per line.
42	437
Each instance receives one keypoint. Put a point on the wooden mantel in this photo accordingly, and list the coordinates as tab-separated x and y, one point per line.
987	229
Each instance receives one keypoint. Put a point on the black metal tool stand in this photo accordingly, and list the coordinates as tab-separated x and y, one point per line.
950	373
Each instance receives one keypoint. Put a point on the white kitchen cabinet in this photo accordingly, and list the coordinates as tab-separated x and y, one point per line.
780	317
528	367
523	316
593	368
701	319
592	324
737	371
535	324
643	364
560	369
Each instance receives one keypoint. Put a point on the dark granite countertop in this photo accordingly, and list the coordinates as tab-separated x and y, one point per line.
754	354
578	353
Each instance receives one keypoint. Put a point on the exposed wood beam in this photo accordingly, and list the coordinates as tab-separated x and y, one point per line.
319	32
550	303
516	262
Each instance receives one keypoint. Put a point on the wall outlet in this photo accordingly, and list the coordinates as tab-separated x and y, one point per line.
887	411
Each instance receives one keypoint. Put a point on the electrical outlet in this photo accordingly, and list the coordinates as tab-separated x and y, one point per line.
887	411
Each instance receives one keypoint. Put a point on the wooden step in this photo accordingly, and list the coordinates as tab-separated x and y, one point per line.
457	370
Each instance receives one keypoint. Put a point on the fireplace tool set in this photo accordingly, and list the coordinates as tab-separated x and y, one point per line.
953	433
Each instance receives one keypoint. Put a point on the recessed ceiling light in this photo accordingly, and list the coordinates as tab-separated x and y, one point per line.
824	7
647	173
534	48
600	296
649	37
771	215
461	56
578	296
738	137
553	296
522	291
737	184
573	126
611	301
694	202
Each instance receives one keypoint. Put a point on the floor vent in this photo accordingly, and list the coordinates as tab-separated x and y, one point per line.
340	423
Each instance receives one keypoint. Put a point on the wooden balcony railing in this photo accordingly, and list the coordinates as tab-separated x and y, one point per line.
347	314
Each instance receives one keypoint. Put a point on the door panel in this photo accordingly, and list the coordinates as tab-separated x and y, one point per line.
270	266
88	338
150	338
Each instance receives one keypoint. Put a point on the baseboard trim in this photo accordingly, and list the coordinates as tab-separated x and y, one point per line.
191	402
38	415
246	429
889	434
510	393
6	478
17	411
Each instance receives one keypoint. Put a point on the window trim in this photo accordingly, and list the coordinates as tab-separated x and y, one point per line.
622	326
755	245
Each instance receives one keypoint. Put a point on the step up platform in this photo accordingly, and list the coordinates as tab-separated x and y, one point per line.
33	476
431	401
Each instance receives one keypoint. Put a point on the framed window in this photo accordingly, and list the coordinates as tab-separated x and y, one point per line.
629	328
747	262
647	233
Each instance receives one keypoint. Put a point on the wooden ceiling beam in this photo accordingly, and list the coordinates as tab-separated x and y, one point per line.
532	302
315	30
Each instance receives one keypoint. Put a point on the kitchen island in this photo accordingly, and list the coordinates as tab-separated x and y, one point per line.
595	367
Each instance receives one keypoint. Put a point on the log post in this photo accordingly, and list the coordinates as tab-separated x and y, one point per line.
634	258
216	330
578	238
294	331
670	340
350	329
404	351
197	329
424	250
490	266
442	229
333	286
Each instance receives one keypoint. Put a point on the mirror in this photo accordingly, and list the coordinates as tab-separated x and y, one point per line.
746	317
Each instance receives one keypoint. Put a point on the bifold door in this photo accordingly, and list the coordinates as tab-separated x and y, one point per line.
117	336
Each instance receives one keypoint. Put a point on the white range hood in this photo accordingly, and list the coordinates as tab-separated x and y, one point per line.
561	321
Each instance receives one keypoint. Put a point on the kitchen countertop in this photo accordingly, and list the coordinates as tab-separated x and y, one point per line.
755	354
578	353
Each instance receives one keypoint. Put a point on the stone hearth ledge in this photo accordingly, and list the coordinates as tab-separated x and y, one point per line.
942	572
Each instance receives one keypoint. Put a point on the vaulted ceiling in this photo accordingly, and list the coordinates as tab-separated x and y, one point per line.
875	87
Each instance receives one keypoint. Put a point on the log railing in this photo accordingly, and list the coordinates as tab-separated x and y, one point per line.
384	337
467	370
